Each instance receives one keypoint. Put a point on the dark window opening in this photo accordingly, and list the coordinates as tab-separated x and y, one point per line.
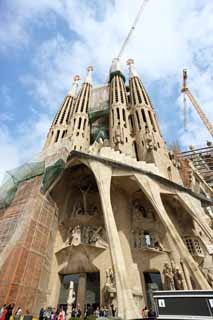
79	123
152	122
138	119
64	134
153	282
143	115
84	126
124	115
118	113
130	123
136	150
57	135
113	117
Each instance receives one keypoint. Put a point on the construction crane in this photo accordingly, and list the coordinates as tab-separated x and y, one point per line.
141	9
185	90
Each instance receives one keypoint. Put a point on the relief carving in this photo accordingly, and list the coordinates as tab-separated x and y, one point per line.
110	286
140	212
91	235
142	239
173	277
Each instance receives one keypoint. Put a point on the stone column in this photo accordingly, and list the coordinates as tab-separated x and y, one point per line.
127	308
152	191
82	291
186	276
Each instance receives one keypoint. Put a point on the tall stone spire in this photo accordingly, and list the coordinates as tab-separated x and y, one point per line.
61	122
149	143
79	129
147	133
120	138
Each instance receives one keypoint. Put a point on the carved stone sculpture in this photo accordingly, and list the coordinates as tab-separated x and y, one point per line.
110	287
71	298
168	277
118	139
76	236
91	235
178	279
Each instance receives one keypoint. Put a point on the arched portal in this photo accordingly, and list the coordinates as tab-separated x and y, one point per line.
81	251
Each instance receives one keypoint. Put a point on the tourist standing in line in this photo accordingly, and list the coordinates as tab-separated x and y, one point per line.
9	311
4	312
41	314
2	309
18	314
61	315
151	315
145	313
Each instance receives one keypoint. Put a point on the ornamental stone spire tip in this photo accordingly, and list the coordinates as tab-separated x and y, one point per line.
89	75
73	90
132	70
115	65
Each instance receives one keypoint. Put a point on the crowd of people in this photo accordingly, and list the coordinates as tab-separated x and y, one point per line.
149	314
8	311
76	312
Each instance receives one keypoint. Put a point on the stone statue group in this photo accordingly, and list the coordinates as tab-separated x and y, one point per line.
173	278
87	235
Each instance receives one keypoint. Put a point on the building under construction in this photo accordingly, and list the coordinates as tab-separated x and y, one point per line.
108	214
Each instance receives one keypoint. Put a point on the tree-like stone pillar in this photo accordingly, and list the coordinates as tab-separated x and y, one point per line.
152	191
127	308
82	290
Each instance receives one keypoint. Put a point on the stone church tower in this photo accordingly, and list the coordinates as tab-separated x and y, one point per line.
103	217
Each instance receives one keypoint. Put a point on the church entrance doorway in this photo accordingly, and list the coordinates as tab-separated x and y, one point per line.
93	289
80	289
153	282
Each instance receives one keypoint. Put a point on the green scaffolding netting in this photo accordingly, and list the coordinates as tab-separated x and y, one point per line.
99	132
14	177
94	115
51	173
25	172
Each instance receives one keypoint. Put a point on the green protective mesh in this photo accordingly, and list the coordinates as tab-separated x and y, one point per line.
116	73
99	132
14	177
95	115
51	173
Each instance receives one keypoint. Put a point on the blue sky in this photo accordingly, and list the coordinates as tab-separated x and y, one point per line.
44	43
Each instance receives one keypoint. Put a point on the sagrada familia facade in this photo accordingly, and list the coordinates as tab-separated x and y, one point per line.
109	218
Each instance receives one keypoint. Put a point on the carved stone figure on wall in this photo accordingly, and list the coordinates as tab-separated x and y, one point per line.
118	139
76	236
110	287
93	235
148	139
158	246
140	212
178	279
168	277
71	298
77	209
84	209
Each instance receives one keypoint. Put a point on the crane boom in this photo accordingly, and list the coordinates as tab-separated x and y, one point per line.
197	107
141	9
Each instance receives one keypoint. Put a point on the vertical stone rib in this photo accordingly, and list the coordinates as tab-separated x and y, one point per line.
127	308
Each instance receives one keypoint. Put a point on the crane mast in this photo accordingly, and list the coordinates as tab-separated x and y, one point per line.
140	11
185	90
